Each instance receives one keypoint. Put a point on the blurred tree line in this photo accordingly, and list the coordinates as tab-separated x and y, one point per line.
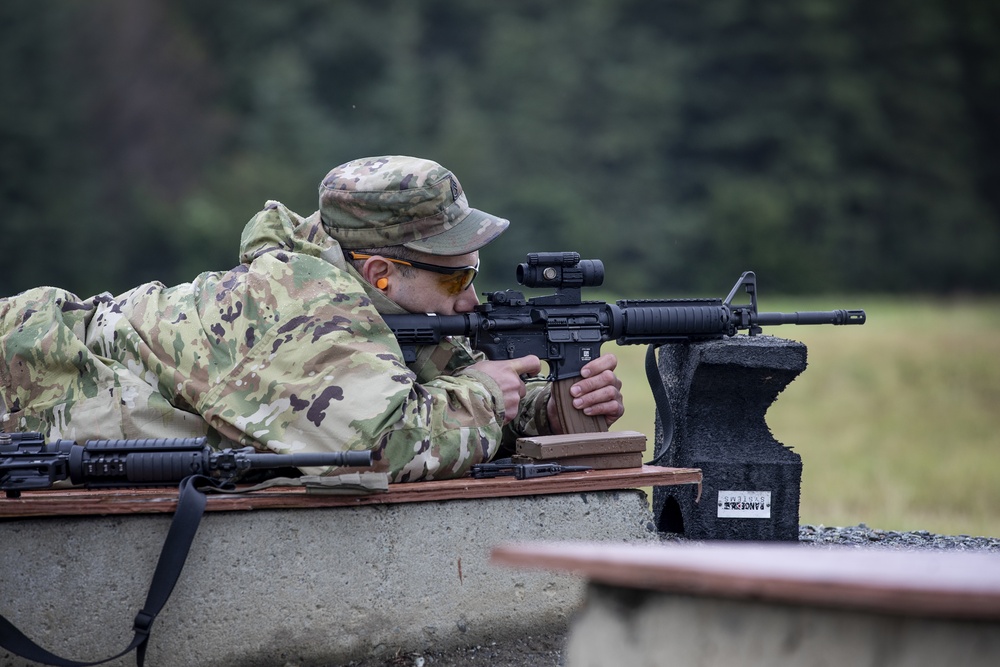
830	145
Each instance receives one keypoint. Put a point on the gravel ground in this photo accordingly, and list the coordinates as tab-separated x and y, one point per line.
863	536
545	650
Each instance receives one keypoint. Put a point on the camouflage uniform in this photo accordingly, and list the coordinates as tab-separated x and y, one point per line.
286	352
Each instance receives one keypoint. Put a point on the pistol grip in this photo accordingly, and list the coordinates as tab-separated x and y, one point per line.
573	420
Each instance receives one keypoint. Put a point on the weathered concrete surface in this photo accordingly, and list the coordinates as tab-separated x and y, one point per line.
304	586
629	628
720	391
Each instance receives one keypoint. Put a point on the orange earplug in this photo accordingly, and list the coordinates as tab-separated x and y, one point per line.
382	283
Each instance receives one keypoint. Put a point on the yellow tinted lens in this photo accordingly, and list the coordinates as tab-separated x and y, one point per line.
458	282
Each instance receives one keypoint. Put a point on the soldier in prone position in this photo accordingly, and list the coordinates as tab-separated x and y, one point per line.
288	352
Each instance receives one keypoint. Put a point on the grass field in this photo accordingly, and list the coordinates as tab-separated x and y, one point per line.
896	420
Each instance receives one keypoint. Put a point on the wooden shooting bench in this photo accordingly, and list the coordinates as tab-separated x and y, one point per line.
283	575
82	502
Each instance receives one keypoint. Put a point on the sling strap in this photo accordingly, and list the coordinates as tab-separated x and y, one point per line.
662	402
190	507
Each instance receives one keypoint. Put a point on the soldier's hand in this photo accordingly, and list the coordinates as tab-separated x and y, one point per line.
507	374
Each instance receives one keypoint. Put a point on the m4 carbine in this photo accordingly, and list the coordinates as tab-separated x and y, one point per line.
28	462
567	332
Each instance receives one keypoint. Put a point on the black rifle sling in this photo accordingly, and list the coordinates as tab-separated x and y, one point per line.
662	401
190	507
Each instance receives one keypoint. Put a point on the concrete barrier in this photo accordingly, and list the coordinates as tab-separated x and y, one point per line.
301	586
775	605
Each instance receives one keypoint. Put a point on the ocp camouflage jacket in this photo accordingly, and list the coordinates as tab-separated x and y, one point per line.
286	352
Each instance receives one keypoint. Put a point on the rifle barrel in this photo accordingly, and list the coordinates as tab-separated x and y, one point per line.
309	459
812	317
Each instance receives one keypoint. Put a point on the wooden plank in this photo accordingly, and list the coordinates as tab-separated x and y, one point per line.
911	583
82	502
579	444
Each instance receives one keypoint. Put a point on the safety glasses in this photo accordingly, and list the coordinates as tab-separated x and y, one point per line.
455	279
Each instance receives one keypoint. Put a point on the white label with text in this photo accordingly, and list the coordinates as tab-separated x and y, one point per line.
745	504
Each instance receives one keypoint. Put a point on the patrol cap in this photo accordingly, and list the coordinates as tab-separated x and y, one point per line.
400	200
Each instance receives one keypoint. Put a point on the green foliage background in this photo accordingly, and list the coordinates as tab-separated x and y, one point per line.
830	145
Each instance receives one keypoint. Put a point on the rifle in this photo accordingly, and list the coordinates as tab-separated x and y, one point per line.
567	332
27	462
521	470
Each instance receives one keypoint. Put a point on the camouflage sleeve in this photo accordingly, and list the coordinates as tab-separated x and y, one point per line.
453	355
325	373
533	416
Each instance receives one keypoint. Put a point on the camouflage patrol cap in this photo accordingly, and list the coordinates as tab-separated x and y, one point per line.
400	200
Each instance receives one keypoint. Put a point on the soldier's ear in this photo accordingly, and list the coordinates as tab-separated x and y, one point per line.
376	270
